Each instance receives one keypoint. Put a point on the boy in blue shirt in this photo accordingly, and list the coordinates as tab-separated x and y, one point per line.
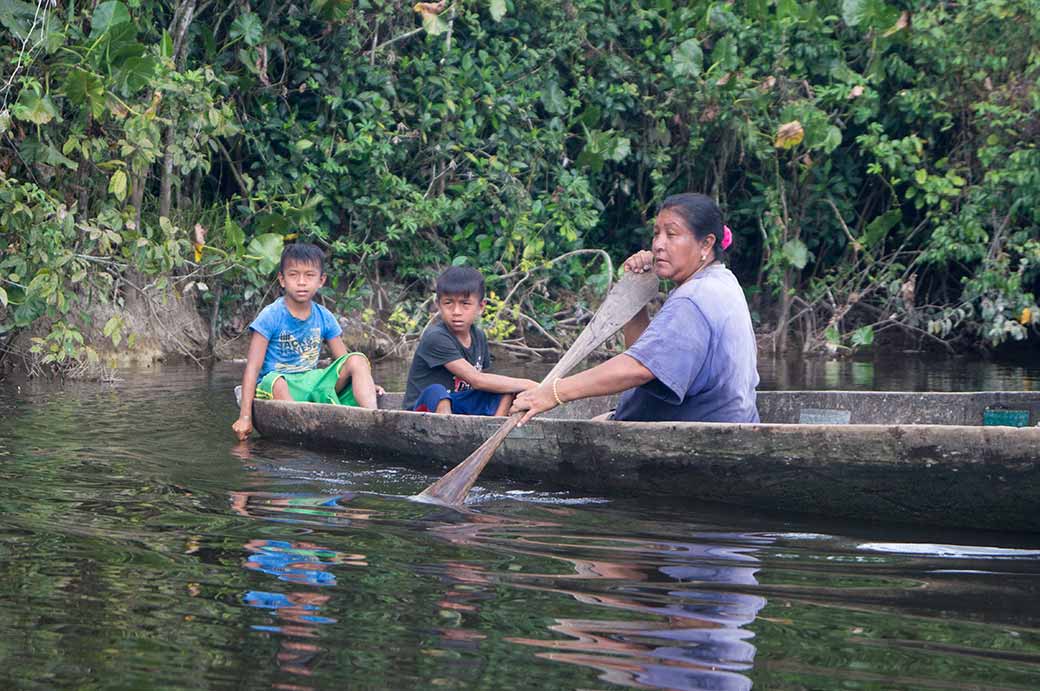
449	373
286	343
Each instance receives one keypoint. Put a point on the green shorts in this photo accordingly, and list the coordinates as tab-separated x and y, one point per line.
312	386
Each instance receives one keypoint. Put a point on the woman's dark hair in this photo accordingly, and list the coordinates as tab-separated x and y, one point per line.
701	215
302	253
461	280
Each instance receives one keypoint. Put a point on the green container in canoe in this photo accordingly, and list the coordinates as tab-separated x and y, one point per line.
1005	418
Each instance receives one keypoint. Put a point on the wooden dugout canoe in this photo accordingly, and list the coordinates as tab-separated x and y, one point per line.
925	458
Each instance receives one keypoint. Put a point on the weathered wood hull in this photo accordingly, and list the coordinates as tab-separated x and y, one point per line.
936	474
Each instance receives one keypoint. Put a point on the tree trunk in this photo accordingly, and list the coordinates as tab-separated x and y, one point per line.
182	19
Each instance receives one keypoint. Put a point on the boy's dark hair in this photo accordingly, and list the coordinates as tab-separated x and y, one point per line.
302	253
460	280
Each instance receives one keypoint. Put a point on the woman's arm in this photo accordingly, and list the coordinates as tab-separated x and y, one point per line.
486	381
617	374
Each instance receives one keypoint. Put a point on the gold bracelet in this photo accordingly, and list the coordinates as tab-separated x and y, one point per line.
556	394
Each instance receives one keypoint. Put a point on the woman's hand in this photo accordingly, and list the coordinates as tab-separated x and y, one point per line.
639	262
243	427
528	384
380	391
533	401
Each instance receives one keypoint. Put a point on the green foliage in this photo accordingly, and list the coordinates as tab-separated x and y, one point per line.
852	143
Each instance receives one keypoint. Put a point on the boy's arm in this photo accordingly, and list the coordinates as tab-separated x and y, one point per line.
337	348
486	381
254	361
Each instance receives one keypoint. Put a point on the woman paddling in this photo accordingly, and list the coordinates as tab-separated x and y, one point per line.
696	361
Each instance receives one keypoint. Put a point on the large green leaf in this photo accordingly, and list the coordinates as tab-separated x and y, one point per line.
247	27
863	336
26	23
498	9
687	59
434	24
796	253
787	9
117	185
852	11
831	139
107	15
136	73
554	99
166	45
332	10
870	14
590	159
120	43
233	232
18	17
620	149
31	309
34	108
85	88
37	151
268	249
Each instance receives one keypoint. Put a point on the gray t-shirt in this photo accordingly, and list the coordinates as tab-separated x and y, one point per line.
437	347
701	350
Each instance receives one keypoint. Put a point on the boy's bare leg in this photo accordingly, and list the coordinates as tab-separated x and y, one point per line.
443	407
280	390
504	404
358	372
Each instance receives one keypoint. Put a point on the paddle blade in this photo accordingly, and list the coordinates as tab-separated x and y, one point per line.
456	483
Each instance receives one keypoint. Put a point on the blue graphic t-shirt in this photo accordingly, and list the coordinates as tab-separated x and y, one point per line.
293	345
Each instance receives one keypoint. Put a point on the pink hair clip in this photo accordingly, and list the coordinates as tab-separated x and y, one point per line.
727	237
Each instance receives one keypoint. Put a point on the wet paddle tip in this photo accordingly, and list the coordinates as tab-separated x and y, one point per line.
424	498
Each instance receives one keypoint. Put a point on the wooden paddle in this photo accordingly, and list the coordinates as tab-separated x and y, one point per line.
623	302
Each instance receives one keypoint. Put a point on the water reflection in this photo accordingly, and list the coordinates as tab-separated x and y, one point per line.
297	613
688	626
898	371
673	614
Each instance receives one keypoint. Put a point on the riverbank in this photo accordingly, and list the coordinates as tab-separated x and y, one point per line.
162	326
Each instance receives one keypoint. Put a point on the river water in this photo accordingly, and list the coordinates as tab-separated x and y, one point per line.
141	547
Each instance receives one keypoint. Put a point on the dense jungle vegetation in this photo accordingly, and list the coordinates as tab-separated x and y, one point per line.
877	160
